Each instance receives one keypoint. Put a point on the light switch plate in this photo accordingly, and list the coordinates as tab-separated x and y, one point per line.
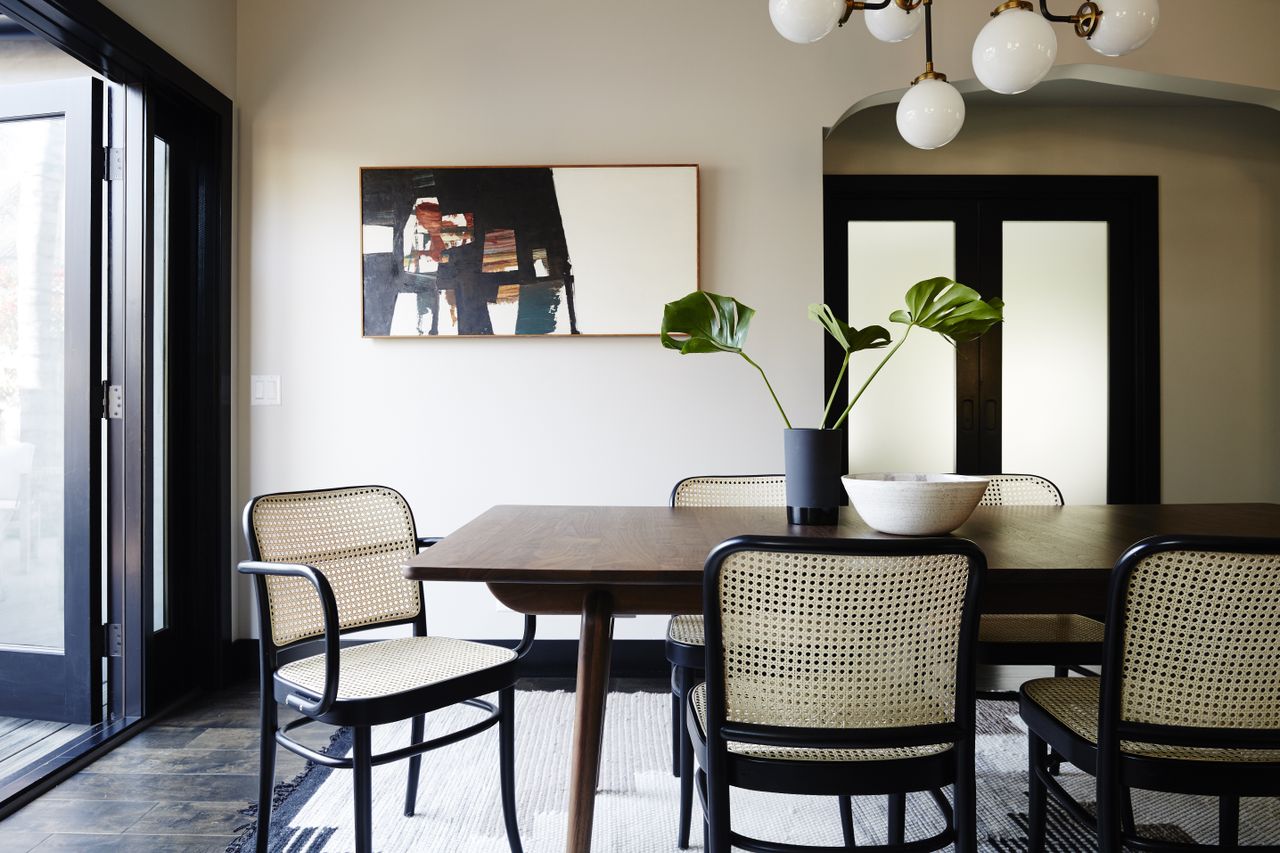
264	391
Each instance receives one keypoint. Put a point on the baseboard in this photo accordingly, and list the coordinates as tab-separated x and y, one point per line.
547	659
1007	678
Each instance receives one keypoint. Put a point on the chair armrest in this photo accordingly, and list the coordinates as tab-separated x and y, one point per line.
427	541
332	635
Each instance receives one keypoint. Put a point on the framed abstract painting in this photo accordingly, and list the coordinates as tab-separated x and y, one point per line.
525	250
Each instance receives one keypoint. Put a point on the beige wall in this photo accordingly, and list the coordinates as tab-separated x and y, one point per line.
199	33
461	425
1219	171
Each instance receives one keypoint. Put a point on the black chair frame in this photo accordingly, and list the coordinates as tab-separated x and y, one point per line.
720	768
687	662
1117	772
361	714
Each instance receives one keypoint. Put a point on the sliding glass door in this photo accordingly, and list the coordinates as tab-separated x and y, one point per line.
51	400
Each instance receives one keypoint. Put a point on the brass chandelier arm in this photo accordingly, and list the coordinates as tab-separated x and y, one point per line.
850	6
860	5
1085	20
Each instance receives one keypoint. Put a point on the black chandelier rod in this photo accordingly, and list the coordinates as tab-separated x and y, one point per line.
1061	19
928	35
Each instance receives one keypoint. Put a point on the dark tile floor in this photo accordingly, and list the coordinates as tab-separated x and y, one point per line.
179	786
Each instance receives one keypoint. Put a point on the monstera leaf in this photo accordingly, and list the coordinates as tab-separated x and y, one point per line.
709	322
954	311
851	340
706	322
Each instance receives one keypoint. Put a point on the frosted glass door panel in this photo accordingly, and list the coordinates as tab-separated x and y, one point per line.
906	420
1055	355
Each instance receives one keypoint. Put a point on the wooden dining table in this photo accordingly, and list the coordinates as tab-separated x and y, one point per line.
604	561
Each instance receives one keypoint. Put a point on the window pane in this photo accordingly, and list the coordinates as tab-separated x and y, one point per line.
159	333
1055	355
32	346
906	419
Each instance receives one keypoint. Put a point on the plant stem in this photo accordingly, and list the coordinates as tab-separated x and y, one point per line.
882	363
785	419
834	388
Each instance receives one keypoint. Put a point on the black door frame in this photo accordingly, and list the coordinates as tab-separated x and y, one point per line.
978	204
146	76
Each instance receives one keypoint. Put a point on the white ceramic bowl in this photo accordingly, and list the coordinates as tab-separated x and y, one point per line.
914	504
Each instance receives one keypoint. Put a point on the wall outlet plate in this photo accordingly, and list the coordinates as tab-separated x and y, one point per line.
264	390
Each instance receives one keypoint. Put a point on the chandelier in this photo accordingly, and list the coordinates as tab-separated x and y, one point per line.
1014	51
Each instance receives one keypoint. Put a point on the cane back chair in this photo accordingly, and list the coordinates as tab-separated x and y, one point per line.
1067	642
325	563
685	650
838	668
1189	699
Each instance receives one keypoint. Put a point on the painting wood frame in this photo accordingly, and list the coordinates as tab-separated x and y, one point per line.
525	251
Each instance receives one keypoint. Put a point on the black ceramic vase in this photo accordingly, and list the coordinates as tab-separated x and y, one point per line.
814	491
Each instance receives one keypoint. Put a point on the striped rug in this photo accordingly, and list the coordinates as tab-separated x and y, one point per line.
458	810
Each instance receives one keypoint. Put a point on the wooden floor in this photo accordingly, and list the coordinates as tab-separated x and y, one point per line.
181	784
25	742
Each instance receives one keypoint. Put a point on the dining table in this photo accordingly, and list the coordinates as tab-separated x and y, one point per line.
598	562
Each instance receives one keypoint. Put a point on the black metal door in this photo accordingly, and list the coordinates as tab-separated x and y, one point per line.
52	400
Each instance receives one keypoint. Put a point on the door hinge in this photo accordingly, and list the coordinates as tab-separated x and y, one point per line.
111	403
113	164
112	640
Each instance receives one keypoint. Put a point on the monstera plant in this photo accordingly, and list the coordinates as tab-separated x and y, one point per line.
708	322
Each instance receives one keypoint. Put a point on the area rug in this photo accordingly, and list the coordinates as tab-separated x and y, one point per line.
458	809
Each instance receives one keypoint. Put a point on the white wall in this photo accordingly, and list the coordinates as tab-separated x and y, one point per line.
1219	172
324	88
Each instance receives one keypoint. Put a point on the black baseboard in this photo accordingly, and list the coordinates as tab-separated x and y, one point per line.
547	659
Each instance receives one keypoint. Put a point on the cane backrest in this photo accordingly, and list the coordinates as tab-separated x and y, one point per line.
737	490
841	640
1020	490
358	538
1201	640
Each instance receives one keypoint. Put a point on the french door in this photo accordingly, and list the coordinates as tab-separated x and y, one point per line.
52	400
1067	387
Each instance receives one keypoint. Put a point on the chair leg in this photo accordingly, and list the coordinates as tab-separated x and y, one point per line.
416	729
897	818
266	768
846	822
1130	823
686	762
362	771
718	834
965	801
1061	672
1036	794
676	727
507	764
1228	821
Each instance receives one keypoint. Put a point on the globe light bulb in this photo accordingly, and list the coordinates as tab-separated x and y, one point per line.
1124	26
893	23
1014	51
930	114
805	21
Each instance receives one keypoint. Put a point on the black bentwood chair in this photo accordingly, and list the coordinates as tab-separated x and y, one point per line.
1189	699
837	668
685	650
1067	641
325	563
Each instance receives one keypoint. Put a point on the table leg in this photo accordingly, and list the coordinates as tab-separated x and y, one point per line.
588	723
